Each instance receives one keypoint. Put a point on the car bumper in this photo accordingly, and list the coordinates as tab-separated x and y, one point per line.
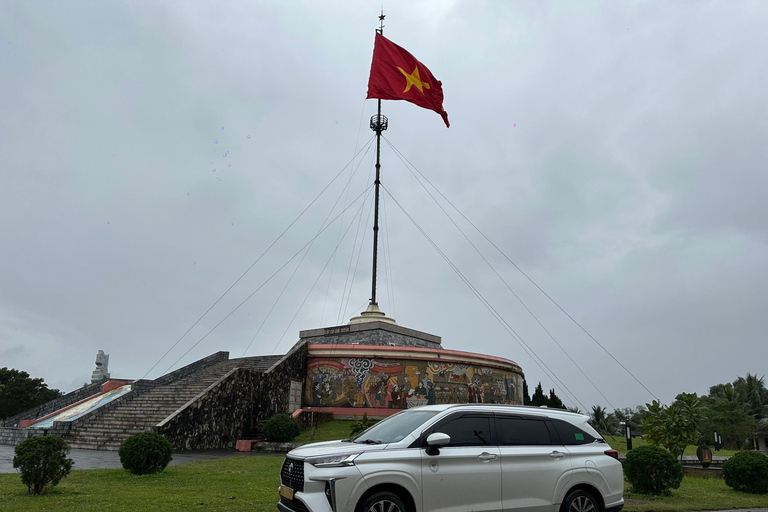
344	486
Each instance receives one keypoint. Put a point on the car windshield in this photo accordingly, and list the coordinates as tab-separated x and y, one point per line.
395	428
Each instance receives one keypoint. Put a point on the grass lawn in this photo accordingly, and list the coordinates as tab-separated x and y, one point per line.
330	431
234	484
250	483
694	494
620	444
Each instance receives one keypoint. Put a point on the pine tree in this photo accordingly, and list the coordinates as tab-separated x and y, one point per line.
554	401
539	398
526	396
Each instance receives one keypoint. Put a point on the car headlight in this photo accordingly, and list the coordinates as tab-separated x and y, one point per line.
334	461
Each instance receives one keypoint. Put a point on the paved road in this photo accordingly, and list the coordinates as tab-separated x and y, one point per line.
99	459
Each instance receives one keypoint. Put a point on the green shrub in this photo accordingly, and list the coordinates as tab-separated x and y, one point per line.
281	428
359	425
42	461
747	472
652	470
145	453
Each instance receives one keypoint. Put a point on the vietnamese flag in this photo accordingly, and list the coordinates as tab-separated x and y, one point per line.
397	75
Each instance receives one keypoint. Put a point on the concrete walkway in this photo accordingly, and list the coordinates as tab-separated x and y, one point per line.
102	459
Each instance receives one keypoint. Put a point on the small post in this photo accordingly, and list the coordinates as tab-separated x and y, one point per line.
312	422
628	435
717	440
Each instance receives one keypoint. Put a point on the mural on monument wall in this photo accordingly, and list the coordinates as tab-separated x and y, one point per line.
84	407
400	384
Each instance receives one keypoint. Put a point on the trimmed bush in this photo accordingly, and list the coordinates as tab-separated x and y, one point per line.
281	428
145	453
747	472
42	461
652	470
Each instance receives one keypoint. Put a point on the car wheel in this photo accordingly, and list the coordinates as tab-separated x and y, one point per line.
383	502
580	501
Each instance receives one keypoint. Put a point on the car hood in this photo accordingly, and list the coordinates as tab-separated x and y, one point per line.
332	448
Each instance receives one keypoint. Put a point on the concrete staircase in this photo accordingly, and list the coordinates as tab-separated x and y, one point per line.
141	412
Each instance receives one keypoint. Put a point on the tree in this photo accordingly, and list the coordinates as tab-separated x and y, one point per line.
732	423
751	393
676	426
42	461
631	417
526	396
554	401
539	398
19	392
734	409
602	421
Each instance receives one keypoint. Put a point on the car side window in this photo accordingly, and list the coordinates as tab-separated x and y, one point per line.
571	434
467	431
520	431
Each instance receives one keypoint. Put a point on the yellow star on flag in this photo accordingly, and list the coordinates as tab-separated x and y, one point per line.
413	79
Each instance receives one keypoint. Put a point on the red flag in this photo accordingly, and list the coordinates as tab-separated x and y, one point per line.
397	75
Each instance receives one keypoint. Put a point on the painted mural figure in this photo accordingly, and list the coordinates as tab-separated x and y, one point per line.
326	396
430	394
400	384
395	397
403	397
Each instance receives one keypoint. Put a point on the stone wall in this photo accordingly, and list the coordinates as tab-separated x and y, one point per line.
13	436
215	418
198	365
54	405
273	389
372	333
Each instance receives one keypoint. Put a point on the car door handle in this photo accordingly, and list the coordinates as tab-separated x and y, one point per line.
486	457
557	455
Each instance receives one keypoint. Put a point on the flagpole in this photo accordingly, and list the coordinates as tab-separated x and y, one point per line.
378	124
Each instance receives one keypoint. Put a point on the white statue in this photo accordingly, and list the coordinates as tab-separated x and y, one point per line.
102	367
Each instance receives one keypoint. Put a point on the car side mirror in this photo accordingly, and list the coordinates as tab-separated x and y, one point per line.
435	440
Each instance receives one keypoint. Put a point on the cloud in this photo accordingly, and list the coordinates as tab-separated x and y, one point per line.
614	153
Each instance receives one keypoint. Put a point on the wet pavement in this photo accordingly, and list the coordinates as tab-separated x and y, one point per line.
102	459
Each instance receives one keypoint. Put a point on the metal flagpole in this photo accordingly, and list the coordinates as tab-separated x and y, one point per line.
378	125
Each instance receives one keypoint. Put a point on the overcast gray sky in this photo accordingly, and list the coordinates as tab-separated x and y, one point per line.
615	151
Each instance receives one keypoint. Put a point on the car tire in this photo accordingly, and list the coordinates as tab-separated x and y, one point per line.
580	501
383	502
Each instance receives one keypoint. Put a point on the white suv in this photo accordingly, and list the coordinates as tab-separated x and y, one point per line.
459	458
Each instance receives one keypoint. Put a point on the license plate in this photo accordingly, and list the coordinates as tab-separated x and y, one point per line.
286	492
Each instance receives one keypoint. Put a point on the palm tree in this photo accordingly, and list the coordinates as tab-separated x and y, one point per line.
603	422
751	393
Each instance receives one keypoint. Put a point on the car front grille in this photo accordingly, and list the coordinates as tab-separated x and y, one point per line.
292	474
294	505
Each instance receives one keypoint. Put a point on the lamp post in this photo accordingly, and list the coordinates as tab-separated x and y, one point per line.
628	435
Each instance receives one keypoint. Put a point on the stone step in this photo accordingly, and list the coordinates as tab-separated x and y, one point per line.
123	424
141	412
94	446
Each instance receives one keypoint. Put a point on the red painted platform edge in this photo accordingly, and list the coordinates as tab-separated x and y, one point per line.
457	355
